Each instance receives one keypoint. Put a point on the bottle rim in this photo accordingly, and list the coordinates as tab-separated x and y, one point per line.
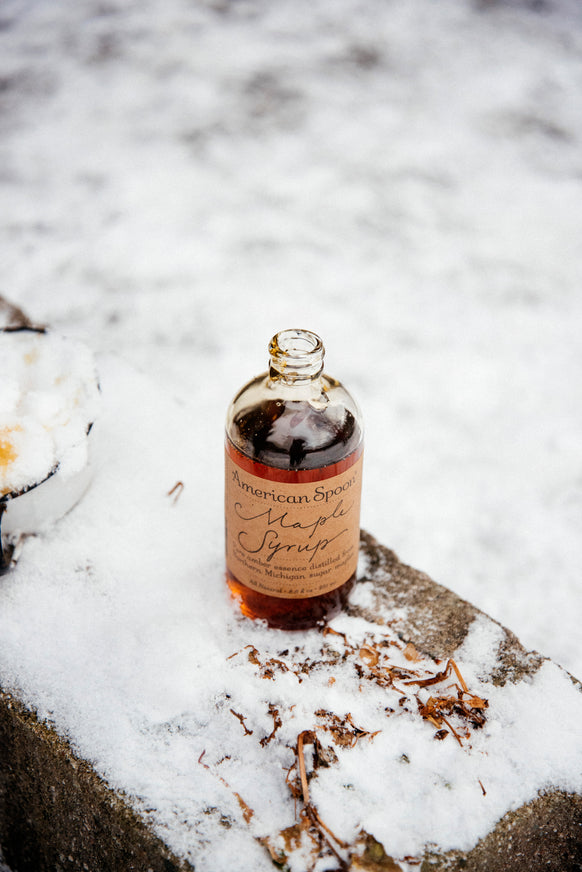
296	354
296	343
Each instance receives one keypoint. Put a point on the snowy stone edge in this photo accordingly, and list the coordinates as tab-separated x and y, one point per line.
54	807
56	812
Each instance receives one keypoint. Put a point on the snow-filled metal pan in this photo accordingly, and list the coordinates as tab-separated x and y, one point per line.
49	397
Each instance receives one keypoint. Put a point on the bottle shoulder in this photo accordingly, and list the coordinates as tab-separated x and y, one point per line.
294	427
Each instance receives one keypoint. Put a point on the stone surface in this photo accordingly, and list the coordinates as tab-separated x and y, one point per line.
544	834
57	814
437	620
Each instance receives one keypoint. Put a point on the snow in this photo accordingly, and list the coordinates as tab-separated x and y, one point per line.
48	401
179	182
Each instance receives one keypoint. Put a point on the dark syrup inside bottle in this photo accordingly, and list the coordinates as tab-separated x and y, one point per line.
295	436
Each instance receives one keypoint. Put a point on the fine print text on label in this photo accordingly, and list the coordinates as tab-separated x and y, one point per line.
292	540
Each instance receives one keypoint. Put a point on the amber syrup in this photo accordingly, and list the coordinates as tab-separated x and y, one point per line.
292	461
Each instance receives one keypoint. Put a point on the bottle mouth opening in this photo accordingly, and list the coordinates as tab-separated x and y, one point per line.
296	355
296	344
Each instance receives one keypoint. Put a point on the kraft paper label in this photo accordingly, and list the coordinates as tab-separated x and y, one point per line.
295	539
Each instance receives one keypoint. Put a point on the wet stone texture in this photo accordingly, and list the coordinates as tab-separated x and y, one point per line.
57	814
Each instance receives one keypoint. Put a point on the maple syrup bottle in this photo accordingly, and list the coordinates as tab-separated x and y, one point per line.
292	488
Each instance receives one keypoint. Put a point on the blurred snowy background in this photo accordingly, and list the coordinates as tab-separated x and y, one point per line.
179	180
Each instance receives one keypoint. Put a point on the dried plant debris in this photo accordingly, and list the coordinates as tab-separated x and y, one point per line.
435	691
241	718
467	706
246	810
176	491
311	835
277	722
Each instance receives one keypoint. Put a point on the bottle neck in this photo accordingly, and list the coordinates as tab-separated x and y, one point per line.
296	357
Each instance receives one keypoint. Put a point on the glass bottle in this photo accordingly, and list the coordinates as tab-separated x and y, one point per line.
292	488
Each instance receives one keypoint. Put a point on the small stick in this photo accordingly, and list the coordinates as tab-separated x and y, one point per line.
246	810
177	489
241	718
314	814
277	722
452	729
320	826
305	736
440	676
459	676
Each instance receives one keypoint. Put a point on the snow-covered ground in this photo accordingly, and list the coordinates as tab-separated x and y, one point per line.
180	180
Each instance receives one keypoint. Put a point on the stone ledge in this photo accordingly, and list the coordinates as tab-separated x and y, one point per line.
545	834
436	619
57	814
